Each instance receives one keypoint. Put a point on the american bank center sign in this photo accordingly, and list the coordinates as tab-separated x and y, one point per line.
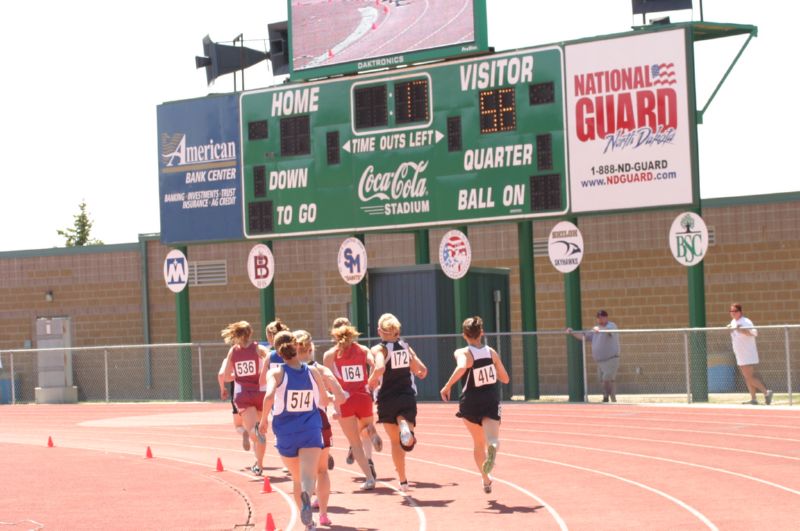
198	169
629	123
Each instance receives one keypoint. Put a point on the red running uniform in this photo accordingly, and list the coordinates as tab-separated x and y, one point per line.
246	368
351	371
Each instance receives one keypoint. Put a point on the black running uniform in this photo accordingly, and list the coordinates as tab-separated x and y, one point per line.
397	395
479	395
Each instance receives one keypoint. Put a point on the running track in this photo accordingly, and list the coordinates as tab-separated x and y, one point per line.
561	466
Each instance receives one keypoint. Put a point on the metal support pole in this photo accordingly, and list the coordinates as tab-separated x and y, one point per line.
788	363
686	363
585	379
13	387
422	253
184	335
527	293
358	300
267	300
105	362
200	368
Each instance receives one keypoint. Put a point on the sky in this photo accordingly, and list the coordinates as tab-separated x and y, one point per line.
81	82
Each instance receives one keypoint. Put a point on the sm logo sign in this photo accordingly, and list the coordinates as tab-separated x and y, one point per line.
352	260
688	239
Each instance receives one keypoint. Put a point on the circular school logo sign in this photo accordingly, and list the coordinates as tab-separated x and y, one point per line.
688	239
352	260
455	254
565	247
260	266
176	271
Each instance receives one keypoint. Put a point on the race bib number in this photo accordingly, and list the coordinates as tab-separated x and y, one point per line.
245	368
352	373
484	376
400	359
300	401
275	365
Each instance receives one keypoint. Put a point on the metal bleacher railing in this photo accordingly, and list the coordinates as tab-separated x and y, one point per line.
655	365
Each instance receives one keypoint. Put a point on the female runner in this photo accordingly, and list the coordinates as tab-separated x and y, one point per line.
479	368
396	365
294	396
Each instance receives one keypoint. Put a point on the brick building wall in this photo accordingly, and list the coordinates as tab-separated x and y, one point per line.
627	269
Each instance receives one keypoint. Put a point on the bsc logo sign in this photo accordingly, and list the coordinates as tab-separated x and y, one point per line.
352	260
455	254
176	271
260	266
688	239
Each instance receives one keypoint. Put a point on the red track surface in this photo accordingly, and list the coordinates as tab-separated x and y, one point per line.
560	465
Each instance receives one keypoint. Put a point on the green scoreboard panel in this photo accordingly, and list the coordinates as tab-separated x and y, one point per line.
454	143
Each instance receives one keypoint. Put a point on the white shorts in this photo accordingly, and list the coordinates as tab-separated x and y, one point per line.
749	357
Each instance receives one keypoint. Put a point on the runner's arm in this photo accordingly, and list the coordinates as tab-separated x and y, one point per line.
461	367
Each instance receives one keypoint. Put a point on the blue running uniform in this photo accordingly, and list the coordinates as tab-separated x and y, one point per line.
295	417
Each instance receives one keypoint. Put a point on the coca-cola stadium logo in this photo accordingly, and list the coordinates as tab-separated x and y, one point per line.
398	192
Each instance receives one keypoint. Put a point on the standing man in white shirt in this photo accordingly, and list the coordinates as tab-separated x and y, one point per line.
743	338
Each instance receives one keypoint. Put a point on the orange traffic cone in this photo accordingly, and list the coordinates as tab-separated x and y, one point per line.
267	488
219	465
270	523
330	53
49	442
148	454
374	26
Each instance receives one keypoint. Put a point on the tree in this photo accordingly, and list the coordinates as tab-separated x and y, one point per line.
80	234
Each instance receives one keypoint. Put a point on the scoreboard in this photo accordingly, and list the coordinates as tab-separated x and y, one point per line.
458	142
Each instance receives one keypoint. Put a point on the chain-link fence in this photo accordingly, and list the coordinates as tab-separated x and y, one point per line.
655	365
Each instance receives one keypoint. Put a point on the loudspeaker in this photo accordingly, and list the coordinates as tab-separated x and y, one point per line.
221	59
279	47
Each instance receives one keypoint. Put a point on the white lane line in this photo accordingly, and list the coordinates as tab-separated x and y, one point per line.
553	513
368	17
533	420
460	11
642	456
700	516
423	523
409	27
738	424
288	499
506	429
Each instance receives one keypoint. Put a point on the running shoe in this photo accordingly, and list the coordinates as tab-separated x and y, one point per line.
260	436
377	442
768	396
487	487
372	468
306	515
331	464
491	454
286	471
405	434
324	520
752	402
368	485
404	486
350	458
255	469
315	503
245	440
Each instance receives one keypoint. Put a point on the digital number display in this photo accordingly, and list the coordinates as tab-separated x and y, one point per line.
411	101
295	136
370	107
498	110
